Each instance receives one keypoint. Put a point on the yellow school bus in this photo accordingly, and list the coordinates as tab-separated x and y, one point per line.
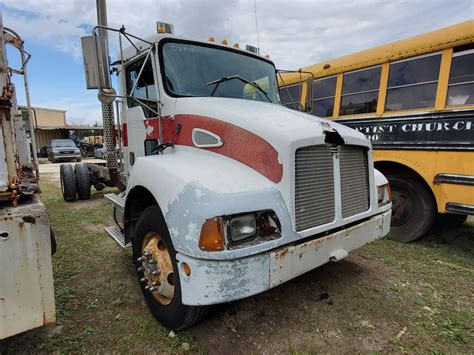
414	99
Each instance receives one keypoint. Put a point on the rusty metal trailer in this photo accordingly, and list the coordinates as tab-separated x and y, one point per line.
26	239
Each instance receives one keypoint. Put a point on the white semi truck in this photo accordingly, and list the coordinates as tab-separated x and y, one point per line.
26	240
224	193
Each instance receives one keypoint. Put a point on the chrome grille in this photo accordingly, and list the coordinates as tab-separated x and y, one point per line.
354	180
314	187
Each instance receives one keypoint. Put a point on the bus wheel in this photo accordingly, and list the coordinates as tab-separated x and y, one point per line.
413	208
83	181
155	259
68	182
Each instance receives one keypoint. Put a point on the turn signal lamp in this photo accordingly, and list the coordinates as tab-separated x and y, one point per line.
267	56
211	39
163	27
212	235
236	45
224	42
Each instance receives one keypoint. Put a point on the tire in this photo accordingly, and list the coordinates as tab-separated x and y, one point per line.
413	209
68	182
170	312
83	181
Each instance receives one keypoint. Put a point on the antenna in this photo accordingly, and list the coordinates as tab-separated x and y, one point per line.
256	25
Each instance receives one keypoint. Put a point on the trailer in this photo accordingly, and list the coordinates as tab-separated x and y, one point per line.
26	239
223	192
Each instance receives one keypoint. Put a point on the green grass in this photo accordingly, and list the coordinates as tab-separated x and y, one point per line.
439	280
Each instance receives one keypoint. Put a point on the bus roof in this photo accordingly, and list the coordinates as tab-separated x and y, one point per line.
452	36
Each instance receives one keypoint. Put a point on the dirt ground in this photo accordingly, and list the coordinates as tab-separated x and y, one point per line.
385	297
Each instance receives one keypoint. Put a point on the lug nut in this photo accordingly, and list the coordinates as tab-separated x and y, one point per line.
156	272
143	279
153	288
147	287
141	259
147	253
141	268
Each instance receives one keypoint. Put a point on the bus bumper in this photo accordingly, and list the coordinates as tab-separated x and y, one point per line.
218	281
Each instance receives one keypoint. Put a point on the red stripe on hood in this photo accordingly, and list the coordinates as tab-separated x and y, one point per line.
239	144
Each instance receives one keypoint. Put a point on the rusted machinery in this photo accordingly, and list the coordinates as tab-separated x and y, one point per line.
26	239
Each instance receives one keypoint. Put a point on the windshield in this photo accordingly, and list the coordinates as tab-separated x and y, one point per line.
196	70
63	144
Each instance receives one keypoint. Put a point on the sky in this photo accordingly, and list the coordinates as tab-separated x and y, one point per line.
294	33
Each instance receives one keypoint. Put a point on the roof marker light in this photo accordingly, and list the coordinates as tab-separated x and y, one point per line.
252	49
236	45
211	39
224	42
163	27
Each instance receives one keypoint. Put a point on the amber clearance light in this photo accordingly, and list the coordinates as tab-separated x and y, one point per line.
212	235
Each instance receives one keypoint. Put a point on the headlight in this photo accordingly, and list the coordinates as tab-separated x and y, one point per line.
383	195
242	227
236	230
252	228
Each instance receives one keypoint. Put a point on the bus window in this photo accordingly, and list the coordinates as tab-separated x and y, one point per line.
412	83
324	91
461	79
360	91
290	96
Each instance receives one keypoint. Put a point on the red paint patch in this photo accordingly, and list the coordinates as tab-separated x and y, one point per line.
239	144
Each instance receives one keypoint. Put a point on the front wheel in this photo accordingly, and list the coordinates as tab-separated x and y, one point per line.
155	259
413	208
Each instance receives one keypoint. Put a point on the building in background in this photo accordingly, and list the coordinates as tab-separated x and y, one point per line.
51	124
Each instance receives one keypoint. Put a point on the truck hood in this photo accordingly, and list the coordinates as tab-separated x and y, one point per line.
263	136
278	125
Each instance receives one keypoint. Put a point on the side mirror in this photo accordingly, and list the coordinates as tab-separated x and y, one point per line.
96	62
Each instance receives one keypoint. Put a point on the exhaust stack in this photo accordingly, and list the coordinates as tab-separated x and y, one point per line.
107	103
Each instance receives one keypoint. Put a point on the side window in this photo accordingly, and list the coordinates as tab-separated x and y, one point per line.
290	96
145	88
412	83
324	91
461	79
360	91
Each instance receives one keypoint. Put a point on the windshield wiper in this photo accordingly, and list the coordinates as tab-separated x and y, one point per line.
238	77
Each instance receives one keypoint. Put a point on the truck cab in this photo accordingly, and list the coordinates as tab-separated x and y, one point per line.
227	193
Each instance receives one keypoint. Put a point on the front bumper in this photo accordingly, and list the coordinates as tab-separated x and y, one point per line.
218	281
66	156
